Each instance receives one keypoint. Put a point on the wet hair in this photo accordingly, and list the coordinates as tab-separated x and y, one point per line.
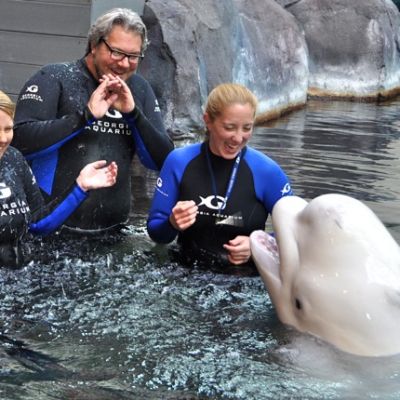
123	17
227	94
7	105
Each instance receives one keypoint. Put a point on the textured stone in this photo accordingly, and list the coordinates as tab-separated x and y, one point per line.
282	50
197	45
353	46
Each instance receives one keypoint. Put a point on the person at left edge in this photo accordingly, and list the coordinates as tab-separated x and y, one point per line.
70	114
21	203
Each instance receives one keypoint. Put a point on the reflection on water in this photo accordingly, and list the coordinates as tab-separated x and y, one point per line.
115	319
348	148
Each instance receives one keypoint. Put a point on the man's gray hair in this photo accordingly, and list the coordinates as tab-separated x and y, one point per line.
124	17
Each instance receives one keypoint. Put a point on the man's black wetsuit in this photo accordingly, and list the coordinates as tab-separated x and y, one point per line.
57	134
259	184
22	206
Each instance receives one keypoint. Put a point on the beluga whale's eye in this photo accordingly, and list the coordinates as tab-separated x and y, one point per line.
298	304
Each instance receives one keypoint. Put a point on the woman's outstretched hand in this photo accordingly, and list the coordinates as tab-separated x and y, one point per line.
97	175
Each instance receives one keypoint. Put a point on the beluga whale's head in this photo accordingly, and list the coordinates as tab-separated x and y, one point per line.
333	270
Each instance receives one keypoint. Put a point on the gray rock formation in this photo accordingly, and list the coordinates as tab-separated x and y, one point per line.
197	44
280	49
354	46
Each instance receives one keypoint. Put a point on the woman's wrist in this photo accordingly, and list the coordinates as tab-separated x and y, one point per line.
80	183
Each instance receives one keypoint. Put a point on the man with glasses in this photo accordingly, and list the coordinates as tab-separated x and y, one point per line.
70	114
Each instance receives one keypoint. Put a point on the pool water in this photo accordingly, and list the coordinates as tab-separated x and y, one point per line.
117	319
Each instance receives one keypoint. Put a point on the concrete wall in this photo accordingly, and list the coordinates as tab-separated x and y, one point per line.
34	33
37	32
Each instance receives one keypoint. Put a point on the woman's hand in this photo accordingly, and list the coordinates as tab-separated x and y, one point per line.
97	175
183	215
238	250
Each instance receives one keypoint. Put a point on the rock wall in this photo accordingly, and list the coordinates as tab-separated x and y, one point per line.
353	47
283	50
196	45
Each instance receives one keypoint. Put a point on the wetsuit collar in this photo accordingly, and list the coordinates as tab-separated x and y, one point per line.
85	70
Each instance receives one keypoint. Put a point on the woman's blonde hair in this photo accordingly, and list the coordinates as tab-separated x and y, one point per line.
7	105
227	94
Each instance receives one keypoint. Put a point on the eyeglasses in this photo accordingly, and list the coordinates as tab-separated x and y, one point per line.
119	55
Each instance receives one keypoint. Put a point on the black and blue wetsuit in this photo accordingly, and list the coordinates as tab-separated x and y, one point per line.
22	207
259	184
57	134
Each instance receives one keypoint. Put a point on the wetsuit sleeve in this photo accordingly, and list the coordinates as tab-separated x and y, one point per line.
39	128
271	182
165	197
152	141
45	218
56	217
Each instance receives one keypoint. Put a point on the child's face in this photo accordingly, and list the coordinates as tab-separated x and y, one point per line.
6	131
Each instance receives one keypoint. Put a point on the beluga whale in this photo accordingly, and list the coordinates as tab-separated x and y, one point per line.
332	269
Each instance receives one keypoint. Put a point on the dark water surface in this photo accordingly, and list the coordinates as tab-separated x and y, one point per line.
116	319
